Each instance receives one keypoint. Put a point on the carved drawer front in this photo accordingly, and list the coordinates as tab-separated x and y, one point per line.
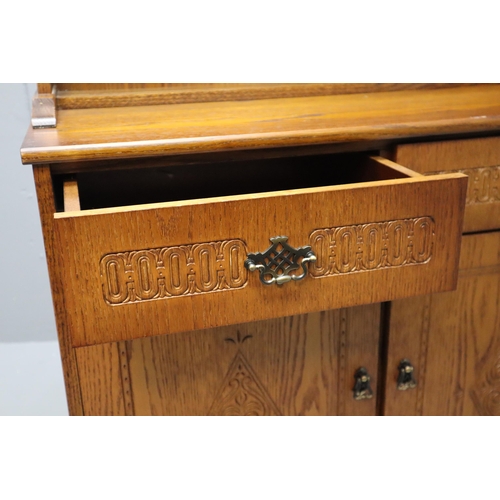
377	232
479	159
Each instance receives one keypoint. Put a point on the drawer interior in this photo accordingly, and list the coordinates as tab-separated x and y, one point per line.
115	188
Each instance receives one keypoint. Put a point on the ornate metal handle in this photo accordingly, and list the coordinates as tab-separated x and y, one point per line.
405	377
279	261
362	389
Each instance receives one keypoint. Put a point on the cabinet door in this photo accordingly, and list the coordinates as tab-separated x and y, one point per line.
452	340
298	365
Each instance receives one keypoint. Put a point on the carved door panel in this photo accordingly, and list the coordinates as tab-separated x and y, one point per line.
298	365
452	340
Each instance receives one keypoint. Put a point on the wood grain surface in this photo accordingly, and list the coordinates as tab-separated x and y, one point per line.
299	365
133	132
452	340
299	358
45	195
118	287
479	159
71	196
96	95
209	159
101	380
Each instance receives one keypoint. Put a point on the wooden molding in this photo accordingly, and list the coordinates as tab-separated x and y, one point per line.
99	95
165	130
43	107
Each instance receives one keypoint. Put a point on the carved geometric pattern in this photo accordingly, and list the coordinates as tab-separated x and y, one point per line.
342	357
486	393
161	273
424	348
483	186
366	247
242	393
128	398
239	338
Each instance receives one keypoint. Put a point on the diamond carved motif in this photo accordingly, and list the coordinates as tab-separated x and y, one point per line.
241	392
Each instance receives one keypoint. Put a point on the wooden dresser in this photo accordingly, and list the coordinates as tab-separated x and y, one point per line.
272	249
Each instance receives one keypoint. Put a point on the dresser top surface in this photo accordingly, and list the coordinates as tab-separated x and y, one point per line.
177	129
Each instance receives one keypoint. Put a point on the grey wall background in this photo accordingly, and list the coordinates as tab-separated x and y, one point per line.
26	312
31	380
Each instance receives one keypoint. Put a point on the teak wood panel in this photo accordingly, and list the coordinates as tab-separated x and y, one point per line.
103	380
45	196
117	286
300	365
134	132
452	339
95	95
479	159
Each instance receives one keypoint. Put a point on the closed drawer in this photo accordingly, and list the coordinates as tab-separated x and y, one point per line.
479	159
378	230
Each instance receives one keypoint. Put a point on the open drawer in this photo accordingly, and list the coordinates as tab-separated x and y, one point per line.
354	230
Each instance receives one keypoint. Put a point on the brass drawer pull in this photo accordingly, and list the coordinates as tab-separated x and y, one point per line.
405	378
279	260
362	388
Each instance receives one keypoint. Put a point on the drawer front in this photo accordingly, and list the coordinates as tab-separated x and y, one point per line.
479	159
155	269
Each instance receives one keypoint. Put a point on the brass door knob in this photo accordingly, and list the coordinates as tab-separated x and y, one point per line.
362	388
405	377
